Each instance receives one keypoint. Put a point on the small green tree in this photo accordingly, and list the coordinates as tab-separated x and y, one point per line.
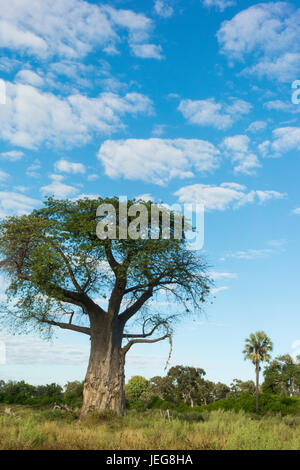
237	387
282	376
257	349
73	392
220	391
163	388
187	382
135	387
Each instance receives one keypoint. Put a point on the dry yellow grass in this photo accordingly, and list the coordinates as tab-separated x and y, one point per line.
44	429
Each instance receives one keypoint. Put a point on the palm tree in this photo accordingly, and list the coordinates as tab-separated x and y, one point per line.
257	349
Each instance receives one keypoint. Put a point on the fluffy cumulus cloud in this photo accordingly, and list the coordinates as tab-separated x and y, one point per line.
224	196
218	4
281	106
16	203
256	126
66	166
29	77
210	113
58	189
12	155
284	139
284	68
157	160
32	117
237	148
68	28
269	33
147	51
162	8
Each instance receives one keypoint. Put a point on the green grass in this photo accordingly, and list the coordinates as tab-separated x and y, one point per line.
33	428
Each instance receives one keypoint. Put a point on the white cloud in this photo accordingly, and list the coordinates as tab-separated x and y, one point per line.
219	4
251	254
15	203
58	189
12	155
237	149
93	177
279	105
32	118
137	24
256	126
27	350
163	9
29	77
210	113
221	275
284	139
159	130
285	68
264	148
69	167
145	197
296	348
3	176
225	196
216	290
157	160
296	211
268	31
67	28
32	169
274	246
147	51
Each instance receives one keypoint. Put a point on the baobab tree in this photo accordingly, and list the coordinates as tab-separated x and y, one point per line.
62	275
257	349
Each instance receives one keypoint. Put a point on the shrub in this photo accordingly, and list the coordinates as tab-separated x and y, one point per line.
268	404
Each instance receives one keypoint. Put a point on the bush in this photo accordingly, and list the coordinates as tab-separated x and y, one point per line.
157	403
268	404
135	387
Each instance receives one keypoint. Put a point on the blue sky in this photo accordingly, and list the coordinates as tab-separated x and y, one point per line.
179	101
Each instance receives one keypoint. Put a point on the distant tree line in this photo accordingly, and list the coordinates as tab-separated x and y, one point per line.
182	385
188	385
26	394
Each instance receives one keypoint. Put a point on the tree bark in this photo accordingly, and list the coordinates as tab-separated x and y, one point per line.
257	385
104	382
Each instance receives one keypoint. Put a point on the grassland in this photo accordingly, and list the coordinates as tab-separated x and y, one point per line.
31	428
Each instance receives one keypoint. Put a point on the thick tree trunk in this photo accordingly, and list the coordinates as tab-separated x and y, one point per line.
257	385
104	382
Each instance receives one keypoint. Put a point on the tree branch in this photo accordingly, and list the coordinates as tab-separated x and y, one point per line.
68	326
67	263
130	311
126	348
68	296
145	335
111	259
